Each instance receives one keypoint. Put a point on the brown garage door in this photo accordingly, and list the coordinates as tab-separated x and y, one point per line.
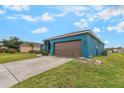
68	49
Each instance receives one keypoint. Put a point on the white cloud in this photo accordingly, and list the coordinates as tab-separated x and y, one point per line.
119	27
96	30
24	17
84	11
106	14
110	28
12	17
2	11
64	10
107	42
59	14
78	10
82	24
47	17
17	7
44	17
40	30
29	18
111	12
91	19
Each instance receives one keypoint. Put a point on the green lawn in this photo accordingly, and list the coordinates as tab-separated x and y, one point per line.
82	75
6	57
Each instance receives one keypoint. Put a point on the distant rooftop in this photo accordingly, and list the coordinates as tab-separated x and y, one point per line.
28	42
75	33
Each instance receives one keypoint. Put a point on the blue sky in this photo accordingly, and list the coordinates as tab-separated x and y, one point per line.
36	23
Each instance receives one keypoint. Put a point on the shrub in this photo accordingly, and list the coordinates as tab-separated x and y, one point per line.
105	53
45	53
11	50
35	51
1	50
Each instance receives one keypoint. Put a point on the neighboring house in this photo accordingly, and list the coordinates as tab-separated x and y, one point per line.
77	44
115	50
121	50
28	46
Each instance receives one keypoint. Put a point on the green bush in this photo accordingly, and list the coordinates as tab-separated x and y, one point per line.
45	53
35	51
11	50
2	50
105	53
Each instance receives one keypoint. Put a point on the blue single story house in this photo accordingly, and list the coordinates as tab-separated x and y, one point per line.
76	44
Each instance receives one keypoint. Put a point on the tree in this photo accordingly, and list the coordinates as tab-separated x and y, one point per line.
0	45
12	42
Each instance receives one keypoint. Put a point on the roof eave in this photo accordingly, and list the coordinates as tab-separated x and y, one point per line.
66	35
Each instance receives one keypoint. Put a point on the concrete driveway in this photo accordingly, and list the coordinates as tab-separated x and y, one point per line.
15	72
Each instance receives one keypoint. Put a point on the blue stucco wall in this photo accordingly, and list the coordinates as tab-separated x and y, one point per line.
94	46
88	44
